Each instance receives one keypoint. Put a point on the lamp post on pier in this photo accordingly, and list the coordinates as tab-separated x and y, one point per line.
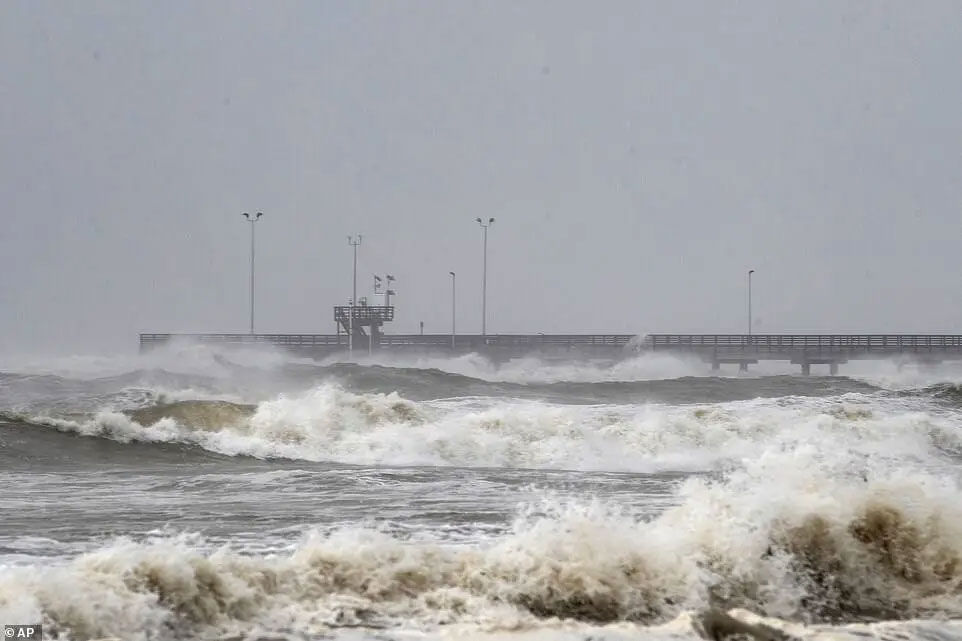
484	276
252	219
454	279
353	241
750	272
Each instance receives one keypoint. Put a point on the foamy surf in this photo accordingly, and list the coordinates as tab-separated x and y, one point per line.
773	539
261	362
329	423
534	370
272	501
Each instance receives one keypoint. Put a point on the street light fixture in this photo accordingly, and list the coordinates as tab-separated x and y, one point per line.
252	219
750	272
454	279
484	277
353	241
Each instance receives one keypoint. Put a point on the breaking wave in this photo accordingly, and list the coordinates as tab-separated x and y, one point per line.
534	370
209	362
785	537
329	423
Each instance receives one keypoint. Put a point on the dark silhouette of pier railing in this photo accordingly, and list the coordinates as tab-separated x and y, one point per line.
148	341
808	349
342	313
851	344
401	340
507	341
802	349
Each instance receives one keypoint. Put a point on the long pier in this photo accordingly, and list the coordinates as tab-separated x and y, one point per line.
717	349
498	346
808	349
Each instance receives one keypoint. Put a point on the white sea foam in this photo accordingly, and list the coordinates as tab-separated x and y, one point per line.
904	375
178	356
533	369
224	361
893	374
329	423
191	358
786	537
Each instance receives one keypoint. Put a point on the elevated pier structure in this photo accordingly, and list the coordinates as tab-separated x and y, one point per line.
368	323
808	349
804	350
496	346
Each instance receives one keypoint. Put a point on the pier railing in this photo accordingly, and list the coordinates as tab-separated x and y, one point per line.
510	340
306	340
806	349
762	343
507	341
364	313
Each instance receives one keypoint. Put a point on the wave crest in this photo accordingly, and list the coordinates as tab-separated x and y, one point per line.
770	540
329	423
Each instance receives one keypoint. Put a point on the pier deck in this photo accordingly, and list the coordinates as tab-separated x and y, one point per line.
496	345
802	349
808	349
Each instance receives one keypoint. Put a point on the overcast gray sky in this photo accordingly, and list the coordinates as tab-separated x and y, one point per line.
639	157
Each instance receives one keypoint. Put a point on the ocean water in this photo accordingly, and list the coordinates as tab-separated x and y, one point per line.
199	494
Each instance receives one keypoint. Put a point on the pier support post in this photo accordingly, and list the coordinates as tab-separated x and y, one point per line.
833	368
743	366
715	366
806	368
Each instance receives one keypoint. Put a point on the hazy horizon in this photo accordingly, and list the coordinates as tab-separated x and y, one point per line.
639	158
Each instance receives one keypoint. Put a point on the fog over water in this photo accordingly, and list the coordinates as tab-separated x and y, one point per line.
639	158
194	493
